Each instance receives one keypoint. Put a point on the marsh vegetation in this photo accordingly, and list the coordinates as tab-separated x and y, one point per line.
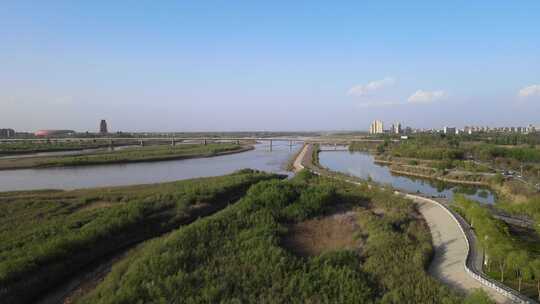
128	155
238	255
48	235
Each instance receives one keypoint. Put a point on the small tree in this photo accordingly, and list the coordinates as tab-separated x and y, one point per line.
535	268
499	252
518	261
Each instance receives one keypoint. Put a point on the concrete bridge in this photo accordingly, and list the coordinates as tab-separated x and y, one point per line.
112	141
142	141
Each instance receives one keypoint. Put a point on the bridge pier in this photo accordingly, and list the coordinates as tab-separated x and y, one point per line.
111	144
270	145
173	143
142	143
204	141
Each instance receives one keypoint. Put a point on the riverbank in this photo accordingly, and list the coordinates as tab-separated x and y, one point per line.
448	176
440	178
47	236
456	172
450	243
36	151
130	155
30	147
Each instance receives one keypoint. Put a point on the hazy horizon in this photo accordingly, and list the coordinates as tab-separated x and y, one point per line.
276	66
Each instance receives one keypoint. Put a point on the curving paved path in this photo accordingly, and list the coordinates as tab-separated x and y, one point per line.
449	244
450	250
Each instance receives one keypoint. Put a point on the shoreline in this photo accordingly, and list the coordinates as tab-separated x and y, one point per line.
87	269
441	179
429	177
26	152
461	273
116	162
424	176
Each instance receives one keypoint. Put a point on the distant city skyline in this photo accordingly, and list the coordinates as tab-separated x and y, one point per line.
284	66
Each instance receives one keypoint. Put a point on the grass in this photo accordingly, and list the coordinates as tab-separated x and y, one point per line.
48	235
34	147
139	154
238	255
502	243
153	153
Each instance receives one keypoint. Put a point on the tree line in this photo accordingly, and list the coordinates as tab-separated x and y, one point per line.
505	257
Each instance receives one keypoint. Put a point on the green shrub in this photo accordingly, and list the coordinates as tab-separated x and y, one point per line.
46	237
235	256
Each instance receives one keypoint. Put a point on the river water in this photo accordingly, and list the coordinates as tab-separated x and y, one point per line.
151	172
361	164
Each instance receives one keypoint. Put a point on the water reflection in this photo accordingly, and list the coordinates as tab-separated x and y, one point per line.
361	164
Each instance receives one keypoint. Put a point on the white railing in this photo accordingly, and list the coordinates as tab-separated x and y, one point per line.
478	275
468	264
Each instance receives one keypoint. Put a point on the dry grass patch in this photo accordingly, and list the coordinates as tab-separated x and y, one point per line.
97	205
515	192
333	232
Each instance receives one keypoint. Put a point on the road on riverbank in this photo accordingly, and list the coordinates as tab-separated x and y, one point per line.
297	165
450	250
449	243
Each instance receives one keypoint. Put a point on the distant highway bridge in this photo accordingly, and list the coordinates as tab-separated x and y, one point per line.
203	140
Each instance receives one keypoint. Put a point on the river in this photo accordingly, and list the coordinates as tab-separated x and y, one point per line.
261	158
361	164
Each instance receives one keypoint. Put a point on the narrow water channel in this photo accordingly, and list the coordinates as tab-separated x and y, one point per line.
361	164
261	158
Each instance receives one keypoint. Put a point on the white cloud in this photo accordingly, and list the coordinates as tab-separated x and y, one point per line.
530	91
366	89
422	96
371	104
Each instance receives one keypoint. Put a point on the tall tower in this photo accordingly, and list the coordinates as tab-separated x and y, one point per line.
103	127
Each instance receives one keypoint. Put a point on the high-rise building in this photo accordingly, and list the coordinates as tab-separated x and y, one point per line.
449	130
103	127
7	132
396	128
376	127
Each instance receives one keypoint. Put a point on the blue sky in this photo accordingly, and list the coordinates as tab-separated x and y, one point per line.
268	65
